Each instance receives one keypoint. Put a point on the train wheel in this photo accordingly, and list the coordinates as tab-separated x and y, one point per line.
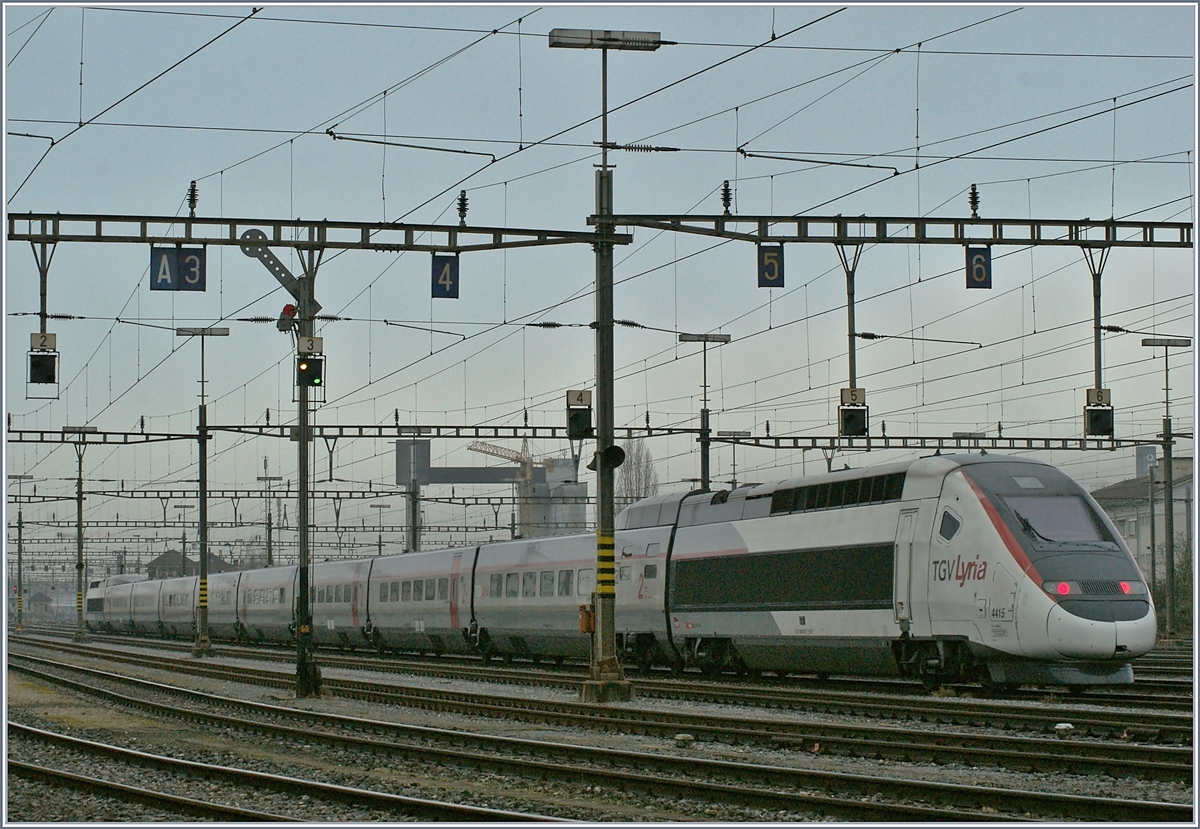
558	660
822	676
931	682
677	668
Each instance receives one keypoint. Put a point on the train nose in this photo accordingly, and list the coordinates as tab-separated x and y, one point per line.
1080	638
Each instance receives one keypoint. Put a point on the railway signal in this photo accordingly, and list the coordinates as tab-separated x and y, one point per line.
309	370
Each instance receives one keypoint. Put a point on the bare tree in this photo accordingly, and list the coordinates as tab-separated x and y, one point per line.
636	477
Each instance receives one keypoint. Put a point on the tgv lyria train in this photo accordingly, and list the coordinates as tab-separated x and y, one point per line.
992	569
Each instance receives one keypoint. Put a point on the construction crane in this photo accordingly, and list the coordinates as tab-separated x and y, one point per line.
525	485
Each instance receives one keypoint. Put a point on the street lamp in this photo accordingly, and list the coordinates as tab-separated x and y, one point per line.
1167	343
607	683
704	430
20	479
203	645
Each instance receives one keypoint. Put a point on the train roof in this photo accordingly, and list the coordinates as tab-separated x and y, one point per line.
754	500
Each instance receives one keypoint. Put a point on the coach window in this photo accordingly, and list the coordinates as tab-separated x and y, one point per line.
565	578
529	584
949	526
383	591
625	572
394	592
512	585
443	589
337	594
430	589
547	583
586	577
651	571
406	591
346	594
320	595
497	585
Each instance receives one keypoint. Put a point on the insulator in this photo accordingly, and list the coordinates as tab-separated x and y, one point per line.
638	148
396	414
726	196
193	198
462	207
973	201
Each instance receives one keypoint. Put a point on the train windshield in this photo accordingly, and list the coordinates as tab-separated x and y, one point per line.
1042	506
1056	517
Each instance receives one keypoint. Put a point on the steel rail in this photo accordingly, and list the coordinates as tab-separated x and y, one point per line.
412	806
161	800
601	761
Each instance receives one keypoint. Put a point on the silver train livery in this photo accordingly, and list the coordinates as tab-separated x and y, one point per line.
989	569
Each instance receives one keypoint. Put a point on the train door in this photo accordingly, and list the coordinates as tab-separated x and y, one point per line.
455	589
902	583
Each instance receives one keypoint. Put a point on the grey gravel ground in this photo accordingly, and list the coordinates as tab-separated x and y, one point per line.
31	704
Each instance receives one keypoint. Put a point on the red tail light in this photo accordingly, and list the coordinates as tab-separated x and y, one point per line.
1063	588
1125	587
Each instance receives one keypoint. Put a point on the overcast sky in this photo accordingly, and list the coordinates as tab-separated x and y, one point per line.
1053	112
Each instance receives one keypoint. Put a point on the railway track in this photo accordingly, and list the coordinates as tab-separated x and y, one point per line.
302	796
1171	693
1039	716
790	790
